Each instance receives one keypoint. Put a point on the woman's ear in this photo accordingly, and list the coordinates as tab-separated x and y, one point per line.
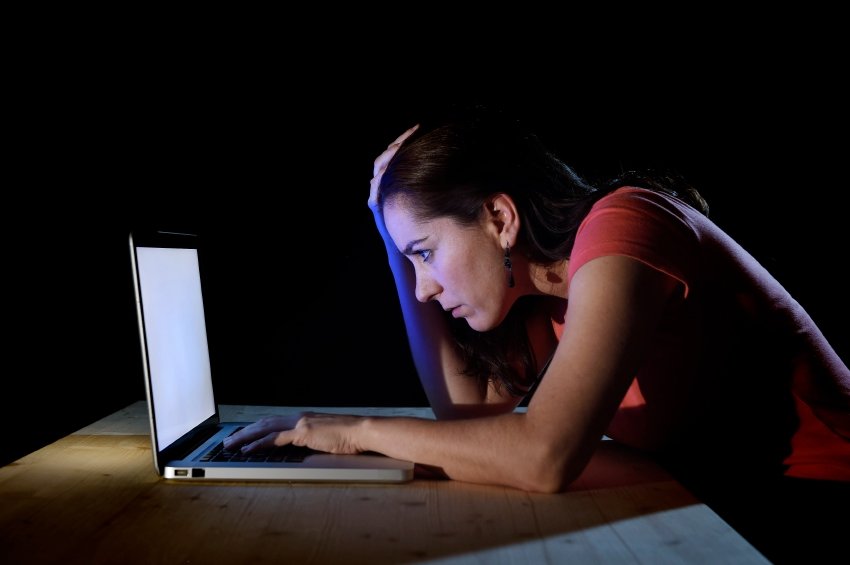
504	218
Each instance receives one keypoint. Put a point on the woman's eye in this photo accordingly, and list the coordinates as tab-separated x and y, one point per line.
424	254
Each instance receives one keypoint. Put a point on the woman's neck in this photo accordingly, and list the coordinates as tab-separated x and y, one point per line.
550	279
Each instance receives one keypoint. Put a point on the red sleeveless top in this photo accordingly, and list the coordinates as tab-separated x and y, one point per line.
740	376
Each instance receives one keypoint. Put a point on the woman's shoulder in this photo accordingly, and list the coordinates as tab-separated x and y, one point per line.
635	209
646	200
655	228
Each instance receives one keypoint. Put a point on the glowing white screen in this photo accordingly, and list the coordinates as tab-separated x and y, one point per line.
176	334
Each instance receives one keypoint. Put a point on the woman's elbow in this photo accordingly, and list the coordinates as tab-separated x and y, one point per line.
549	483
549	472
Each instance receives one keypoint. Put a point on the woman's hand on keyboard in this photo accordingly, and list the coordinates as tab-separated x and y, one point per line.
322	432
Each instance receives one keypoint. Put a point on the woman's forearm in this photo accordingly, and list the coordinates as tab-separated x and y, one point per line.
502	449
450	393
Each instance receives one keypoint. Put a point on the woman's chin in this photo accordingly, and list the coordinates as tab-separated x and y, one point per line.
478	325
483	323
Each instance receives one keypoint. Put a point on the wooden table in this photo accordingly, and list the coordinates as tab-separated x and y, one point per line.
93	497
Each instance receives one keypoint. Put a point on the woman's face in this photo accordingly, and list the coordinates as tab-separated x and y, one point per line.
460	267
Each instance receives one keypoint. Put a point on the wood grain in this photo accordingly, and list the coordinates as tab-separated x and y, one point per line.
96	499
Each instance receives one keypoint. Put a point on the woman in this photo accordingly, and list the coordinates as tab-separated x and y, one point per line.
624	307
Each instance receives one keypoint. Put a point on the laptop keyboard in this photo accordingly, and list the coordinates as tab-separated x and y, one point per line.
284	453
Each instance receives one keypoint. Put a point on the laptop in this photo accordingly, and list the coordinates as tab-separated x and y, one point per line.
186	429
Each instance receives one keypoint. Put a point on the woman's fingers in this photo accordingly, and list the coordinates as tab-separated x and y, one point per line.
387	154
381	163
262	432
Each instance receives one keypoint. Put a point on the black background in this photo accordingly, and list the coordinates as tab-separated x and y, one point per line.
268	154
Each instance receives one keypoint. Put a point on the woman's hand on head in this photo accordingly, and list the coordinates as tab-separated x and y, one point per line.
381	163
333	433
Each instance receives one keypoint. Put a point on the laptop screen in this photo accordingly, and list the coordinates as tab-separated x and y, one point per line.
176	340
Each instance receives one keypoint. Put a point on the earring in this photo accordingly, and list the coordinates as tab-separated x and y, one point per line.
509	266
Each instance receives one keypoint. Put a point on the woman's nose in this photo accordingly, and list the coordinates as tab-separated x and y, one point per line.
426	288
